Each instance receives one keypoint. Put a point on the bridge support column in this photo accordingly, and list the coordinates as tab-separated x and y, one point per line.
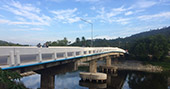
109	79
75	65
47	81
93	66
115	61
108	61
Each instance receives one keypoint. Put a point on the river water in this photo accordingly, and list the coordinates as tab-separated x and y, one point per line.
119	80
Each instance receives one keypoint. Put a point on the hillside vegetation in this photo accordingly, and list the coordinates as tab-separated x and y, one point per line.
4	43
151	45
124	42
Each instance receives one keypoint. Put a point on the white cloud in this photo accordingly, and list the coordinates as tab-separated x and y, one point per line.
144	4
123	20
85	15
27	29
120	9
27	11
81	26
66	16
26	7
26	23
20	19
3	21
1	16
129	13
111	15
155	16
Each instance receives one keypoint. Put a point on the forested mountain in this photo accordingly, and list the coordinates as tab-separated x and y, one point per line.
163	31
126	42
4	43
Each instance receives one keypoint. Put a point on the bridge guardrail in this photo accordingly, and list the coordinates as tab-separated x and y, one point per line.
14	55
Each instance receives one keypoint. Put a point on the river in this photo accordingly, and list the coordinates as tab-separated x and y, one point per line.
69	79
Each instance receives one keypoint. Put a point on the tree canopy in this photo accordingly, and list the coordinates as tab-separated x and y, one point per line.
154	48
63	42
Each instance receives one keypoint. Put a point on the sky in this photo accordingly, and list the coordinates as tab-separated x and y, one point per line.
37	21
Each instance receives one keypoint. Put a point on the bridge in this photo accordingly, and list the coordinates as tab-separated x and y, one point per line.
34	58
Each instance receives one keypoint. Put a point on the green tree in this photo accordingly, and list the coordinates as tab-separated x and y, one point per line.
7	80
154	47
77	40
63	42
83	40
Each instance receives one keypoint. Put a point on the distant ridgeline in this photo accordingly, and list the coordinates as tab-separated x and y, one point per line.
4	43
125	42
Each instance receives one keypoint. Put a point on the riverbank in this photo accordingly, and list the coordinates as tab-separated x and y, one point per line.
132	65
136	66
164	65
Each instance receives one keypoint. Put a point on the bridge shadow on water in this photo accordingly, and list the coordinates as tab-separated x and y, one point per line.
66	76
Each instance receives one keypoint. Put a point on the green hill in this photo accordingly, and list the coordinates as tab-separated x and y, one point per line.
127	41
4	43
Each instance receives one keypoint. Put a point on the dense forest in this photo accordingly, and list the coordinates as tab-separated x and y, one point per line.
153	45
124	43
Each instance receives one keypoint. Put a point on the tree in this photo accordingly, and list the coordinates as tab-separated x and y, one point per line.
83	40
63	42
77	40
154	47
7	80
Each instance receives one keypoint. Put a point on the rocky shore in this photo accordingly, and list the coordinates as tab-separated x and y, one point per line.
136	66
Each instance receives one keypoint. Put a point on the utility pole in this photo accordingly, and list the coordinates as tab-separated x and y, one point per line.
91	30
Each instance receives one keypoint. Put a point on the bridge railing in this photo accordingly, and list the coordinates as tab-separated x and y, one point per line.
14	56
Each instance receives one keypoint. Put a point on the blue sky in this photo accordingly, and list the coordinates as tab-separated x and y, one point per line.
34	21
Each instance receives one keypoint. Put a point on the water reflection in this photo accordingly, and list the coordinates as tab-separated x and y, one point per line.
65	77
48	75
68	81
147	81
131	80
32	82
116	81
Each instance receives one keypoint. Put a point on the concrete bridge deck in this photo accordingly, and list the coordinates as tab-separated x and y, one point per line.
19	57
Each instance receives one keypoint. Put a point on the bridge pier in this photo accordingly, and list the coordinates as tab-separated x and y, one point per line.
47	81
108	61
93	66
48	74
108	68
93	75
